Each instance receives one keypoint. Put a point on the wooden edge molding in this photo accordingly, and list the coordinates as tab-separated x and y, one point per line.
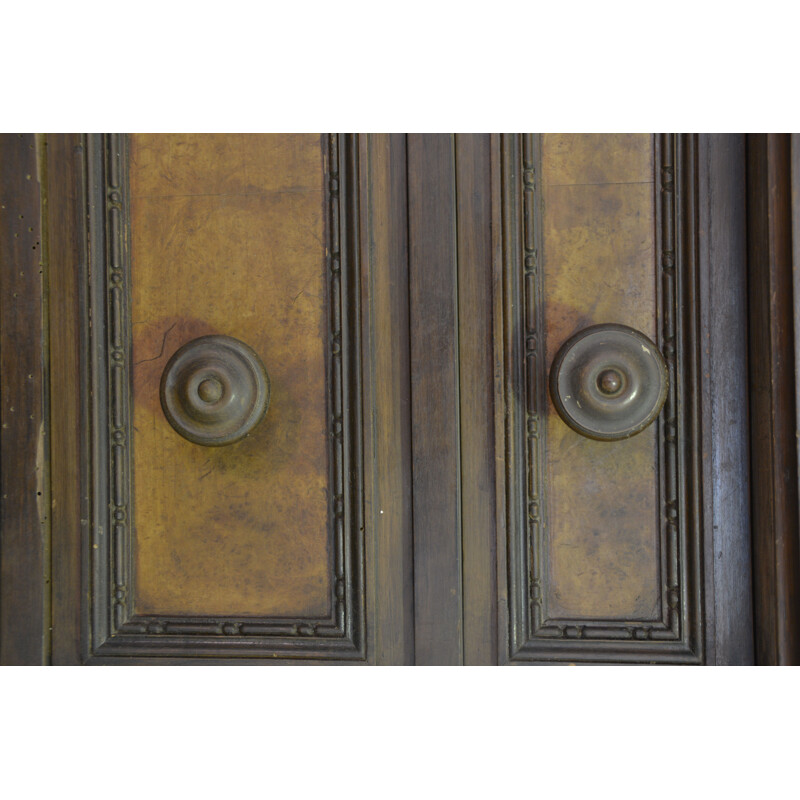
722	257
773	426
795	202
24	435
387	404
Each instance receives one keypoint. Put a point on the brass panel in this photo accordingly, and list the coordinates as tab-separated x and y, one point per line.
228	237
598	262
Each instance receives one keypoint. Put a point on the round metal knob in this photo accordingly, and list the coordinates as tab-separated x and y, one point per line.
214	390
608	382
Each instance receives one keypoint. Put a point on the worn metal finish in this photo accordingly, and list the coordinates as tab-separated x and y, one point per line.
608	382
215	390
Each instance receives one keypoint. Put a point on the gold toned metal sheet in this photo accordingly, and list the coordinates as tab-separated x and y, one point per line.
598	261
228	237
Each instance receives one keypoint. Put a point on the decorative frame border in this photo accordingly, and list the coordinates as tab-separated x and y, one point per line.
532	636
113	629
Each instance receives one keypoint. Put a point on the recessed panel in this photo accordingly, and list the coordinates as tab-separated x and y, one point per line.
597	262
598	234
228	236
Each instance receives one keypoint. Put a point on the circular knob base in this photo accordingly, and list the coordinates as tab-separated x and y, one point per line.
214	390
608	382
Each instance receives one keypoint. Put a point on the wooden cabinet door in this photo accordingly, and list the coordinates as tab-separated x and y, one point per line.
255	549
412	494
534	543
635	549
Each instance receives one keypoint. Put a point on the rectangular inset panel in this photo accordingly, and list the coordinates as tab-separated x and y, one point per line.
227	237
253	548
597	262
603	537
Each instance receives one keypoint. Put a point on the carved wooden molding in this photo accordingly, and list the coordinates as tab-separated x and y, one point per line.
677	636
113	629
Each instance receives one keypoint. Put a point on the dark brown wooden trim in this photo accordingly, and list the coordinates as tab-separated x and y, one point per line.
387	402
723	357
24	491
501	347
434	399
473	158
776	565
795	199
69	450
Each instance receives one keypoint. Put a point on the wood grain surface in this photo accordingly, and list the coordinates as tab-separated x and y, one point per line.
24	490
473	164
598	264
773	428
69	413
228	236
433	312
389	517
723	301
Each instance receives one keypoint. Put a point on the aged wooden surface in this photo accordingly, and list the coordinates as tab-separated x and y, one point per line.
91	483
723	301
69	421
384	264
473	163
228	236
24	489
776	563
598	265
434	400
795	200
436	576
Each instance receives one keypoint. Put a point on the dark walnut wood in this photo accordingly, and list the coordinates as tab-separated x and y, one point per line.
776	557
478	239
24	442
383	226
433	266
453	238
722	295
69	412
